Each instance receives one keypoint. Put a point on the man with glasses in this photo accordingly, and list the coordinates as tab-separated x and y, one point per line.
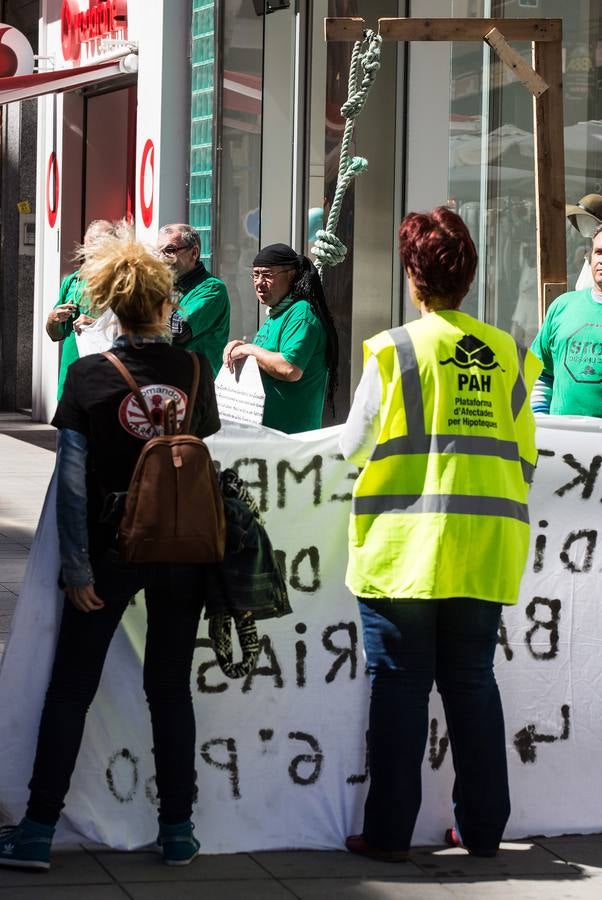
296	348
202	320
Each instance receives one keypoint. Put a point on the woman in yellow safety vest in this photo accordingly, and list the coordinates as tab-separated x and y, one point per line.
443	433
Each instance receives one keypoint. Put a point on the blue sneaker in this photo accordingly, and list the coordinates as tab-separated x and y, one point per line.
178	843
26	845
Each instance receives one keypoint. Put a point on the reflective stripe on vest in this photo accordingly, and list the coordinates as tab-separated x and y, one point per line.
519	390
417	441
462	504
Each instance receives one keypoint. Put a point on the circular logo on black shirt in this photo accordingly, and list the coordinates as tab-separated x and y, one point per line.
133	419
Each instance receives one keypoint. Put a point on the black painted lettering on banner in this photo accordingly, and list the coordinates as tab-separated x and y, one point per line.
550	625
150	789
312	555
231	766
526	739
261	483
540	548
586	477
122	775
361	779
300	655
314	759
272	670
284	466
265	734
202	683
348	652
590	538
502	639
437	745
350	476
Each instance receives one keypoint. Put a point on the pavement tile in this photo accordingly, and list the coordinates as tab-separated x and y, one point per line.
332	864
211	890
366	889
577	850
514	860
12	570
67	867
149	866
64	892
580	888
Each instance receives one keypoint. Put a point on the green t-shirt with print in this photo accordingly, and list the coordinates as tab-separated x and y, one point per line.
70	292
569	344
294	330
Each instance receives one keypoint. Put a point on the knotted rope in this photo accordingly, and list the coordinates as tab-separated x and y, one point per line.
328	250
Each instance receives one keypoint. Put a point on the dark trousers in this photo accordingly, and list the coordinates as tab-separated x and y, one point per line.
409	644
174	599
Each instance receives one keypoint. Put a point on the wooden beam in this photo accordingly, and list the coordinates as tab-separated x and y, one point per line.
514	61
342	29
468	29
548	122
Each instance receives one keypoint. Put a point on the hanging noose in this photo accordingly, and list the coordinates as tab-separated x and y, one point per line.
328	250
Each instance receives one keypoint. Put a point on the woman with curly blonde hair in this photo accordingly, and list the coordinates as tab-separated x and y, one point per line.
102	432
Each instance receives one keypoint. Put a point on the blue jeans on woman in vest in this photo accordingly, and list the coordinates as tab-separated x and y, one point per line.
409	645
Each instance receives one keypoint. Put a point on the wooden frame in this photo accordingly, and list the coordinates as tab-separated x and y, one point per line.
543	80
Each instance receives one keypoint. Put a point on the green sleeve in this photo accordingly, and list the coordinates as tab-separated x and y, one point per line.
207	306
541	345
68	294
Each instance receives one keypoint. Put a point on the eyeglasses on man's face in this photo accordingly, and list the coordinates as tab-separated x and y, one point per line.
172	249
267	275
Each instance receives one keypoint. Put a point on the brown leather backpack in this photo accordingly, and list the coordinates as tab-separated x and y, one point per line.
174	512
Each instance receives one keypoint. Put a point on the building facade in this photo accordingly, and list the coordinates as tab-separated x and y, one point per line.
226	114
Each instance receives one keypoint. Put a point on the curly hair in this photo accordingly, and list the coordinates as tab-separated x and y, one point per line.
436	249
125	275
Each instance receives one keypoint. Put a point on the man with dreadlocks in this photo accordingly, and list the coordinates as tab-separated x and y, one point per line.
296	348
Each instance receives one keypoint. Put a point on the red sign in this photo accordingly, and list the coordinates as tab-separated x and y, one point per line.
147	203
16	55
52	189
99	20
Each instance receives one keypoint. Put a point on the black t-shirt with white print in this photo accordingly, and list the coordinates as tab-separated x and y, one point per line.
98	403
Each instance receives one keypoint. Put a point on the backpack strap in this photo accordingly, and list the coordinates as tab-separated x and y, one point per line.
196	374
127	375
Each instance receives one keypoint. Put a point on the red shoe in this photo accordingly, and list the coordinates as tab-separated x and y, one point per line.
452	839
355	843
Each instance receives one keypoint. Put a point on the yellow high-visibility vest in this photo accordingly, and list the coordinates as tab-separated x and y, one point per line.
440	509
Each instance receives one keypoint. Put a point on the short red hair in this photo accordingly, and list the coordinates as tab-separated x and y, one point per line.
437	250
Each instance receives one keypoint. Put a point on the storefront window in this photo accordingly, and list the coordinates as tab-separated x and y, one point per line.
239	151
491	156
201	126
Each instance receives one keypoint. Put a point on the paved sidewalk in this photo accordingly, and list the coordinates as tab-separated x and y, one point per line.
563	868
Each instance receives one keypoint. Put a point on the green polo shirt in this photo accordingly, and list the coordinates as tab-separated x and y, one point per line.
70	292
294	330
205	305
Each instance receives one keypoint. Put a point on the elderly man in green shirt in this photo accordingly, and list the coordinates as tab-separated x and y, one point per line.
70	312
296	348
202	320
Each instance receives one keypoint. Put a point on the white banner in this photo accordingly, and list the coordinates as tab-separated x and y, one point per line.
281	754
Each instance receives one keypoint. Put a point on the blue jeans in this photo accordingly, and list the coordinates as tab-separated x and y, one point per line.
174	600
409	644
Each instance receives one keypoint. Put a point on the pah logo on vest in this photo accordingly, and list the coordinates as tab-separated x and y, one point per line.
472	351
